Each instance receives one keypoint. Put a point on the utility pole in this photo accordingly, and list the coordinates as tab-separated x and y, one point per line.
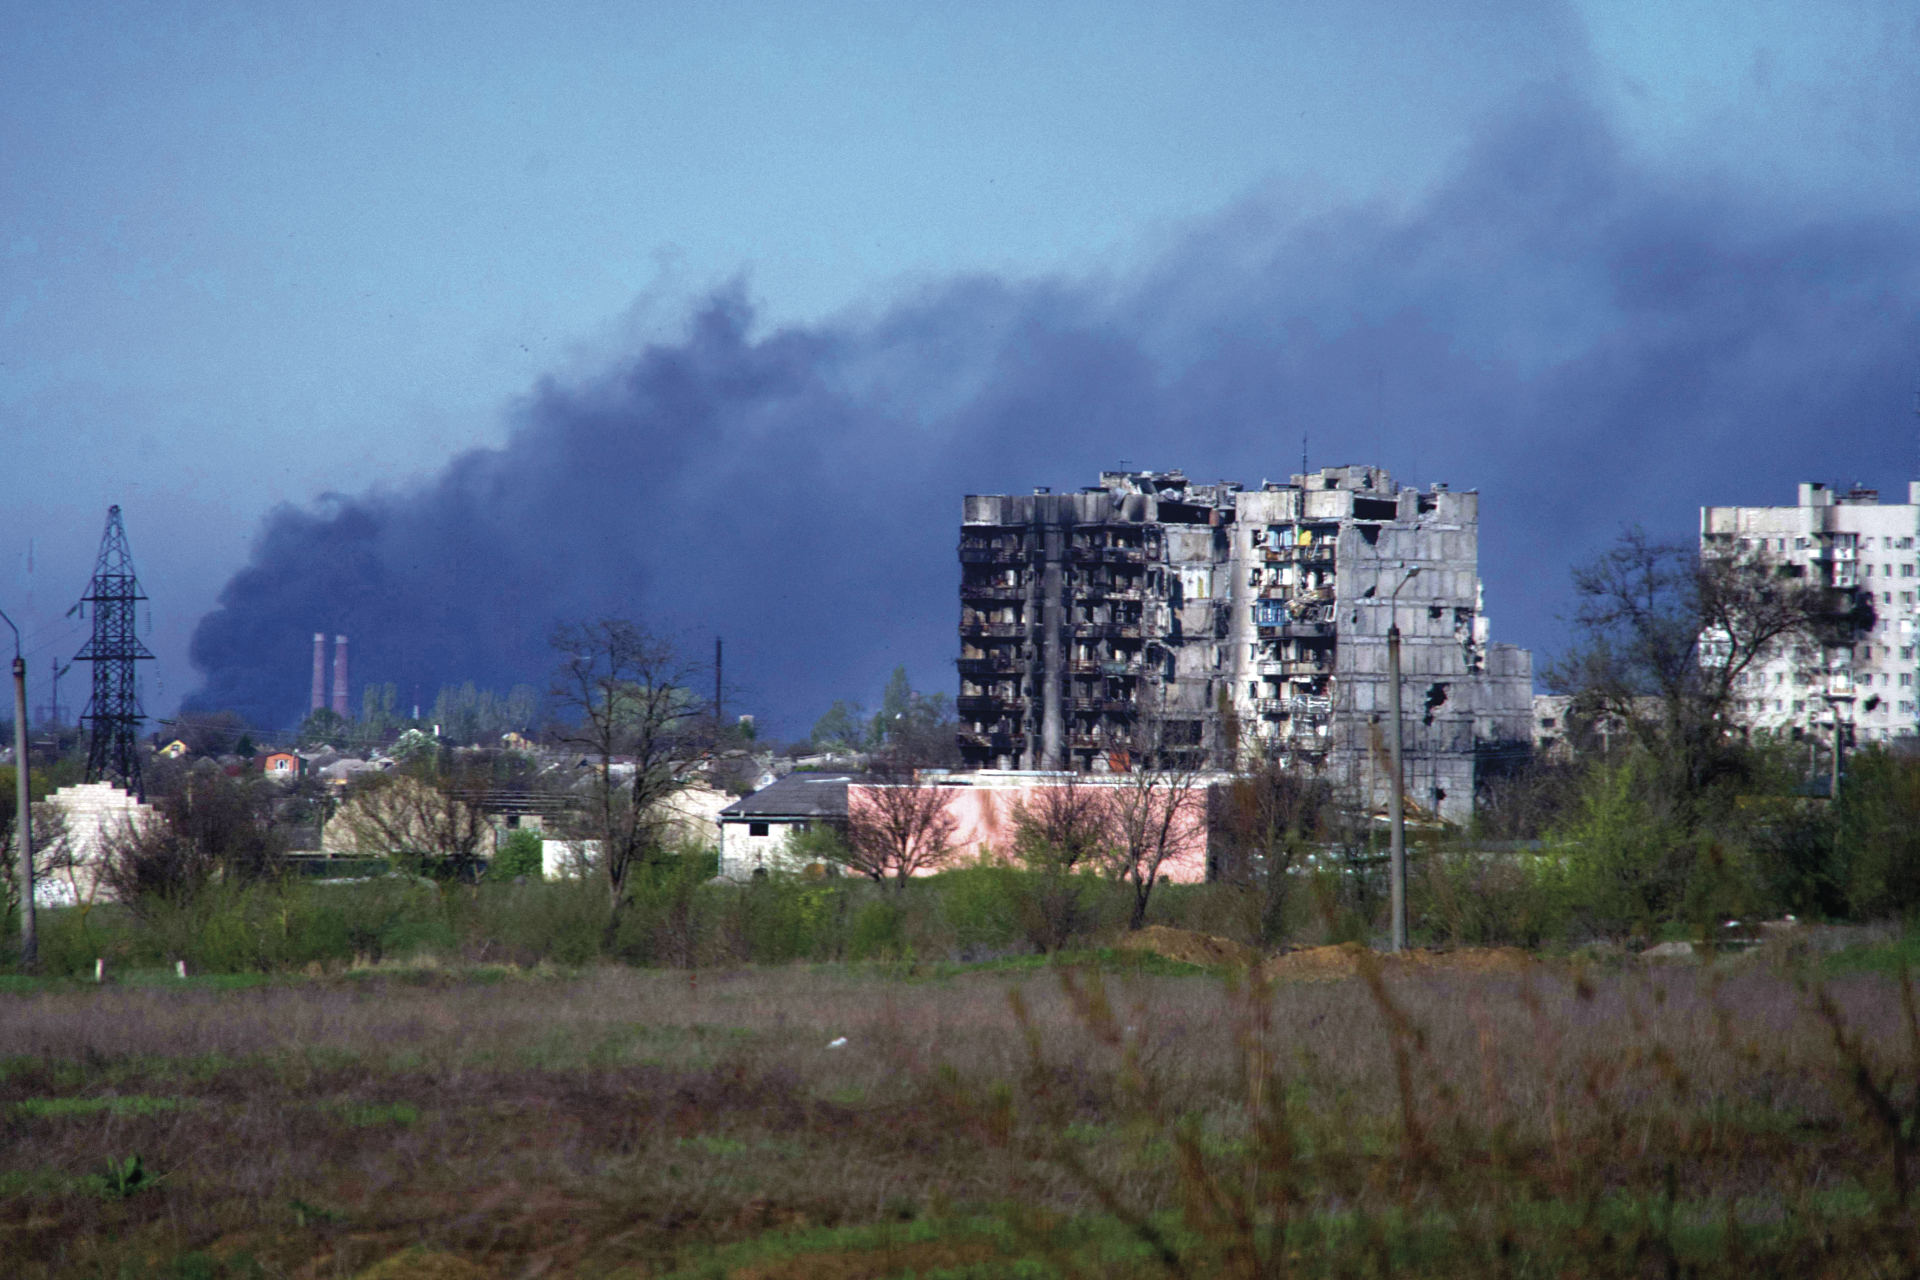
1839	742
1397	816
23	806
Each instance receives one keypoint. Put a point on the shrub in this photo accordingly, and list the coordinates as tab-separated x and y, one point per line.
1627	866
1878	835
1478	897
519	855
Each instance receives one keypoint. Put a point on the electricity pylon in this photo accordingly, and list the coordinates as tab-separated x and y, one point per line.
113	713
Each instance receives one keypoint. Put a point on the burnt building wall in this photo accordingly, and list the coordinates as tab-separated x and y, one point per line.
1150	621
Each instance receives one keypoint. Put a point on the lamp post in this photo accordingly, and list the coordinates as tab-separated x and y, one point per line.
23	806
1397	814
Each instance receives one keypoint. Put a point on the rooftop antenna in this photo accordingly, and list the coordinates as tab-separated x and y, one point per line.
114	710
1303	457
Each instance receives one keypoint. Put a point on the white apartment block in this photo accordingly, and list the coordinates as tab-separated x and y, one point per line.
1847	540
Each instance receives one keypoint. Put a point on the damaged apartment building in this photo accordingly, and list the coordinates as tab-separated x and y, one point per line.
1151	622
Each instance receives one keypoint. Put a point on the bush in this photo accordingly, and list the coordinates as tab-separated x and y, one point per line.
1627	866
1479	897
555	921
519	855
1877	823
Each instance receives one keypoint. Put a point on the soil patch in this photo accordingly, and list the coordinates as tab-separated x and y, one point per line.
1191	948
1330	964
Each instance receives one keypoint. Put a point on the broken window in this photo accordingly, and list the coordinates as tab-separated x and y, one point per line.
756	828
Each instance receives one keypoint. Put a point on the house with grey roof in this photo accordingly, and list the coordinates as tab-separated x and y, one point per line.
754	829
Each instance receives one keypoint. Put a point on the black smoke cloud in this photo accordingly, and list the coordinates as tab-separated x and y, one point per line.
1588	342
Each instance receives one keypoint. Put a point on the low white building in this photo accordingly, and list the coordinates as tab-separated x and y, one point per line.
755	830
92	814
1851	541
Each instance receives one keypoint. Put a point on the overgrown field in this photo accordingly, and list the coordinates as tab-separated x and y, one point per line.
1012	1120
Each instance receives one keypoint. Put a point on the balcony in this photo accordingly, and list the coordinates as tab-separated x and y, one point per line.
994	630
1107	667
1294	669
1108	591
993	591
979	705
1103	706
1313	553
994	666
1095	742
1106	631
991	555
1292	630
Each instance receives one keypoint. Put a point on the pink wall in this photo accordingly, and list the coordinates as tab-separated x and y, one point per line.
986	824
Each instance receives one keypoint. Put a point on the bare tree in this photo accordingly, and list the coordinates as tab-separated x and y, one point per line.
1057	835
1267	821
1156	816
51	855
633	697
1669	624
898	827
426	816
209	827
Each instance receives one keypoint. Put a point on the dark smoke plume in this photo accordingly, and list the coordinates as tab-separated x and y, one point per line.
1587	342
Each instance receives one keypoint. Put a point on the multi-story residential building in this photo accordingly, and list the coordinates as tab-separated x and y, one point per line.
1149	621
1850	541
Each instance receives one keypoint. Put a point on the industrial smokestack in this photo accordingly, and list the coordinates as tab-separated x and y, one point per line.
319	670
340	675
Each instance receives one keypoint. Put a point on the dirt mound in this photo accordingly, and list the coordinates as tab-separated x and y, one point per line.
1330	964
423	1264
1191	948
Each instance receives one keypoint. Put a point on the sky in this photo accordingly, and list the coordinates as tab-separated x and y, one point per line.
435	324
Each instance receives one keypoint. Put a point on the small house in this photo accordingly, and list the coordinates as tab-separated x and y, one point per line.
283	766
754	829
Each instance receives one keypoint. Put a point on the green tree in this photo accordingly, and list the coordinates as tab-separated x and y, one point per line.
1878	835
843	726
324	727
1628	861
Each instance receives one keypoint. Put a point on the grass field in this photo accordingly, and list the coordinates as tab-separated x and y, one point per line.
1024	1120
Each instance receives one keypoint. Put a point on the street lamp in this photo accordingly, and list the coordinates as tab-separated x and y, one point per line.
1397	815
23	807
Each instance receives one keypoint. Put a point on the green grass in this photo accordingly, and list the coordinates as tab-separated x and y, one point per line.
61	1108
1894	958
367	1115
1110	960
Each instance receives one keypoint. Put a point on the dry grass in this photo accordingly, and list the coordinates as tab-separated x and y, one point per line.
631	1122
